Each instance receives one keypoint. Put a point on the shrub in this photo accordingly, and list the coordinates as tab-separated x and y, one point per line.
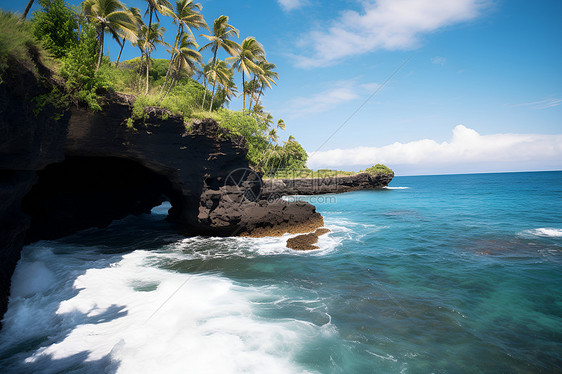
83	83
16	40
379	168
56	26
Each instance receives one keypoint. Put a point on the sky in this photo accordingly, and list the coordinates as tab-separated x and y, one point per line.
423	86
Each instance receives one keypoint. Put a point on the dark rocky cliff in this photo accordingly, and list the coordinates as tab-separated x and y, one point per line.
87	169
316	186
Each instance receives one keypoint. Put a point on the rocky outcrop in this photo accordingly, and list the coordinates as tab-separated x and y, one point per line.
306	242
61	172
202	171
31	137
329	185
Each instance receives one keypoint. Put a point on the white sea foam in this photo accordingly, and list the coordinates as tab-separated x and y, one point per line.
396	188
122	313
547	232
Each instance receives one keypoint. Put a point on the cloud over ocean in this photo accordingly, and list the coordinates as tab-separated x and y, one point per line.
497	152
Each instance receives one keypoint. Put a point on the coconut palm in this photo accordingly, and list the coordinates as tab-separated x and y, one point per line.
246	61
220	75
222	33
266	76
187	14
110	16
186	57
160	6
136	17
272	137
205	73
230	88
252	89
151	37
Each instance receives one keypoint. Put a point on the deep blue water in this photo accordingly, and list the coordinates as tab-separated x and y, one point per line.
453	274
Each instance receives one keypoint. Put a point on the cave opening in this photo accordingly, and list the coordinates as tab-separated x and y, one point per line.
84	192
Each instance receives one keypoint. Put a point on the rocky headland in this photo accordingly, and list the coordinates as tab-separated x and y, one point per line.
65	170
62	171
329	185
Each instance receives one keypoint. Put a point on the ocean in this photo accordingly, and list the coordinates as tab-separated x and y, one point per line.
436	274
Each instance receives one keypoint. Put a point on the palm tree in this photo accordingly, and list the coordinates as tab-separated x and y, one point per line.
266	76
222	33
252	89
160	6
219	74
108	15
247	60
230	88
136	17
272	137
281	124
152	36
205	72
187	14
186	57
27	8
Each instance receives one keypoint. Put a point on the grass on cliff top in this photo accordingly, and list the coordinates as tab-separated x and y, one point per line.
17	43
325	173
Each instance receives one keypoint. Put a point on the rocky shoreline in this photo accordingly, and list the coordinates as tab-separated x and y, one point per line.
274	188
61	172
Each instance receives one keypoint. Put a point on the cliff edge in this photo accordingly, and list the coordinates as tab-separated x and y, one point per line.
62	171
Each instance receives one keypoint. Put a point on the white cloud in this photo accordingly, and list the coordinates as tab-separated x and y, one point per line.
289	5
383	24
543	104
467	147
339	93
438	60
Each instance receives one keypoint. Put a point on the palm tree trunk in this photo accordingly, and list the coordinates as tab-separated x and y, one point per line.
145	48
27	8
251	97
172	57
212	97
243	94
121	51
101	49
147	71
140	72
205	89
261	92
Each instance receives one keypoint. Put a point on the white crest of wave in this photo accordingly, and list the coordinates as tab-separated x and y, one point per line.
122	313
546	232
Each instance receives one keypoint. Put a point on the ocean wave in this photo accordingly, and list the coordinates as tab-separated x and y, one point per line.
215	248
545	232
396	188
128	317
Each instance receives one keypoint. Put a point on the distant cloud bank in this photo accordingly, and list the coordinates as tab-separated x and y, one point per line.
383	24
467	151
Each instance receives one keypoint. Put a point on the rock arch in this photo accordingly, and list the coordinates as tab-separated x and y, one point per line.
83	192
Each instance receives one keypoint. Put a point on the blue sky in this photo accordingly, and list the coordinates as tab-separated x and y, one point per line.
481	91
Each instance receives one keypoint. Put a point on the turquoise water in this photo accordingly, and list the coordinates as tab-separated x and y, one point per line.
449	274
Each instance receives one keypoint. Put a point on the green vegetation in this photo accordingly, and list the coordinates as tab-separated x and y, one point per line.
17	43
184	84
325	173
54	25
378	169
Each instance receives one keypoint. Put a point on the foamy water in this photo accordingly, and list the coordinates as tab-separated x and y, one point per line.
132	317
548	232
